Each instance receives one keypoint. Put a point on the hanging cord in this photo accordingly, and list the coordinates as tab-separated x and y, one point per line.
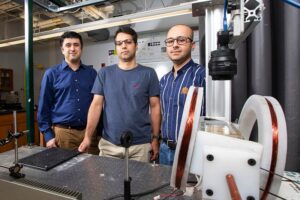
292	3
225	16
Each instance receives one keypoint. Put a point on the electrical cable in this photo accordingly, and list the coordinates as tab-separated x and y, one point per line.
287	179
292	181
198	186
225	16
171	194
292	3
139	194
273	194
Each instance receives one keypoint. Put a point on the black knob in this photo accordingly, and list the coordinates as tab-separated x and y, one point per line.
126	139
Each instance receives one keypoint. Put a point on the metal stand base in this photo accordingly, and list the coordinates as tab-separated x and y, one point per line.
15	171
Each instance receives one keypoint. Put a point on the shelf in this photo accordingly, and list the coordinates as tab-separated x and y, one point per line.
6	79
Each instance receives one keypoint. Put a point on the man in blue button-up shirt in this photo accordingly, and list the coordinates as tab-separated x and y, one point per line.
65	96
174	87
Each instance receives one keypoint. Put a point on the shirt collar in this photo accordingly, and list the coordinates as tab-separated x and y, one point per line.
64	65
185	67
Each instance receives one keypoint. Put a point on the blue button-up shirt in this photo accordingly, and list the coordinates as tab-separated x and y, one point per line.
65	97
173	91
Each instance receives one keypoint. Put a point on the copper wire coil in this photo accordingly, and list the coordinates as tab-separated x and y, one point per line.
186	140
274	150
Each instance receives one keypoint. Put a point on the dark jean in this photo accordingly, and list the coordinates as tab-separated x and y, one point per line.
166	155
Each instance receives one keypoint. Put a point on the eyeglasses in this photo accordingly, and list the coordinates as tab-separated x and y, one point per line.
181	40
127	42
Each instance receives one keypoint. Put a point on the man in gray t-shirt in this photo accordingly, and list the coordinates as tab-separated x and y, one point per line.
125	92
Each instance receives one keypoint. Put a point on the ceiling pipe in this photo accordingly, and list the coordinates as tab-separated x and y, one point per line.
34	18
4	2
70	7
65	19
48	23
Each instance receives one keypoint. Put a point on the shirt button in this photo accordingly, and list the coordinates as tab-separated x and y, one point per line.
75	80
76	90
78	109
77	99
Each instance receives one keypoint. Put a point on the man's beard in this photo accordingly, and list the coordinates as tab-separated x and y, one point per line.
129	58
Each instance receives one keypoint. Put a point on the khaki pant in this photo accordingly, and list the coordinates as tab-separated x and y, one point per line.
136	152
72	138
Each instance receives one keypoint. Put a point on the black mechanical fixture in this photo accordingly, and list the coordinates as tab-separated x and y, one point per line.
222	64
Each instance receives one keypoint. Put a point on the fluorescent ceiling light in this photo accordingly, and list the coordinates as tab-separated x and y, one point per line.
108	23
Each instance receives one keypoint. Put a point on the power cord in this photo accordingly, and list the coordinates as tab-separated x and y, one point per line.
225	16
292	3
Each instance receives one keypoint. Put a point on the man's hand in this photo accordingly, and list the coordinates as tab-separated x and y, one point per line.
51	143
85	144
155	149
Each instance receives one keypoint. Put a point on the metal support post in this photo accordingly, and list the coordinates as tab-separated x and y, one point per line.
29	71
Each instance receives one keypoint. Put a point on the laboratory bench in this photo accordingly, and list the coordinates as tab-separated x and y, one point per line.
94	177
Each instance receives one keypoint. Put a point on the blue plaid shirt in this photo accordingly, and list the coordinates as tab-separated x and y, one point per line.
173	93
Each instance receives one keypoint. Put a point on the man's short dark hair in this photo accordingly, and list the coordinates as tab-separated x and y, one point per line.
128	31
70	34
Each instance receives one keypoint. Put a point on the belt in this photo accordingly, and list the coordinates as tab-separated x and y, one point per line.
80	128
170	143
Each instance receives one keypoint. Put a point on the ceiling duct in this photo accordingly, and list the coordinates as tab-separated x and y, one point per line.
70	19
99	35
96	35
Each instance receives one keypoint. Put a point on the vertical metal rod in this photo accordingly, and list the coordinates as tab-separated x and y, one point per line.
126	164
16	139
29	71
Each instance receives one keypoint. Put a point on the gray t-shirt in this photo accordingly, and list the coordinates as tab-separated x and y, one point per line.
126	101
